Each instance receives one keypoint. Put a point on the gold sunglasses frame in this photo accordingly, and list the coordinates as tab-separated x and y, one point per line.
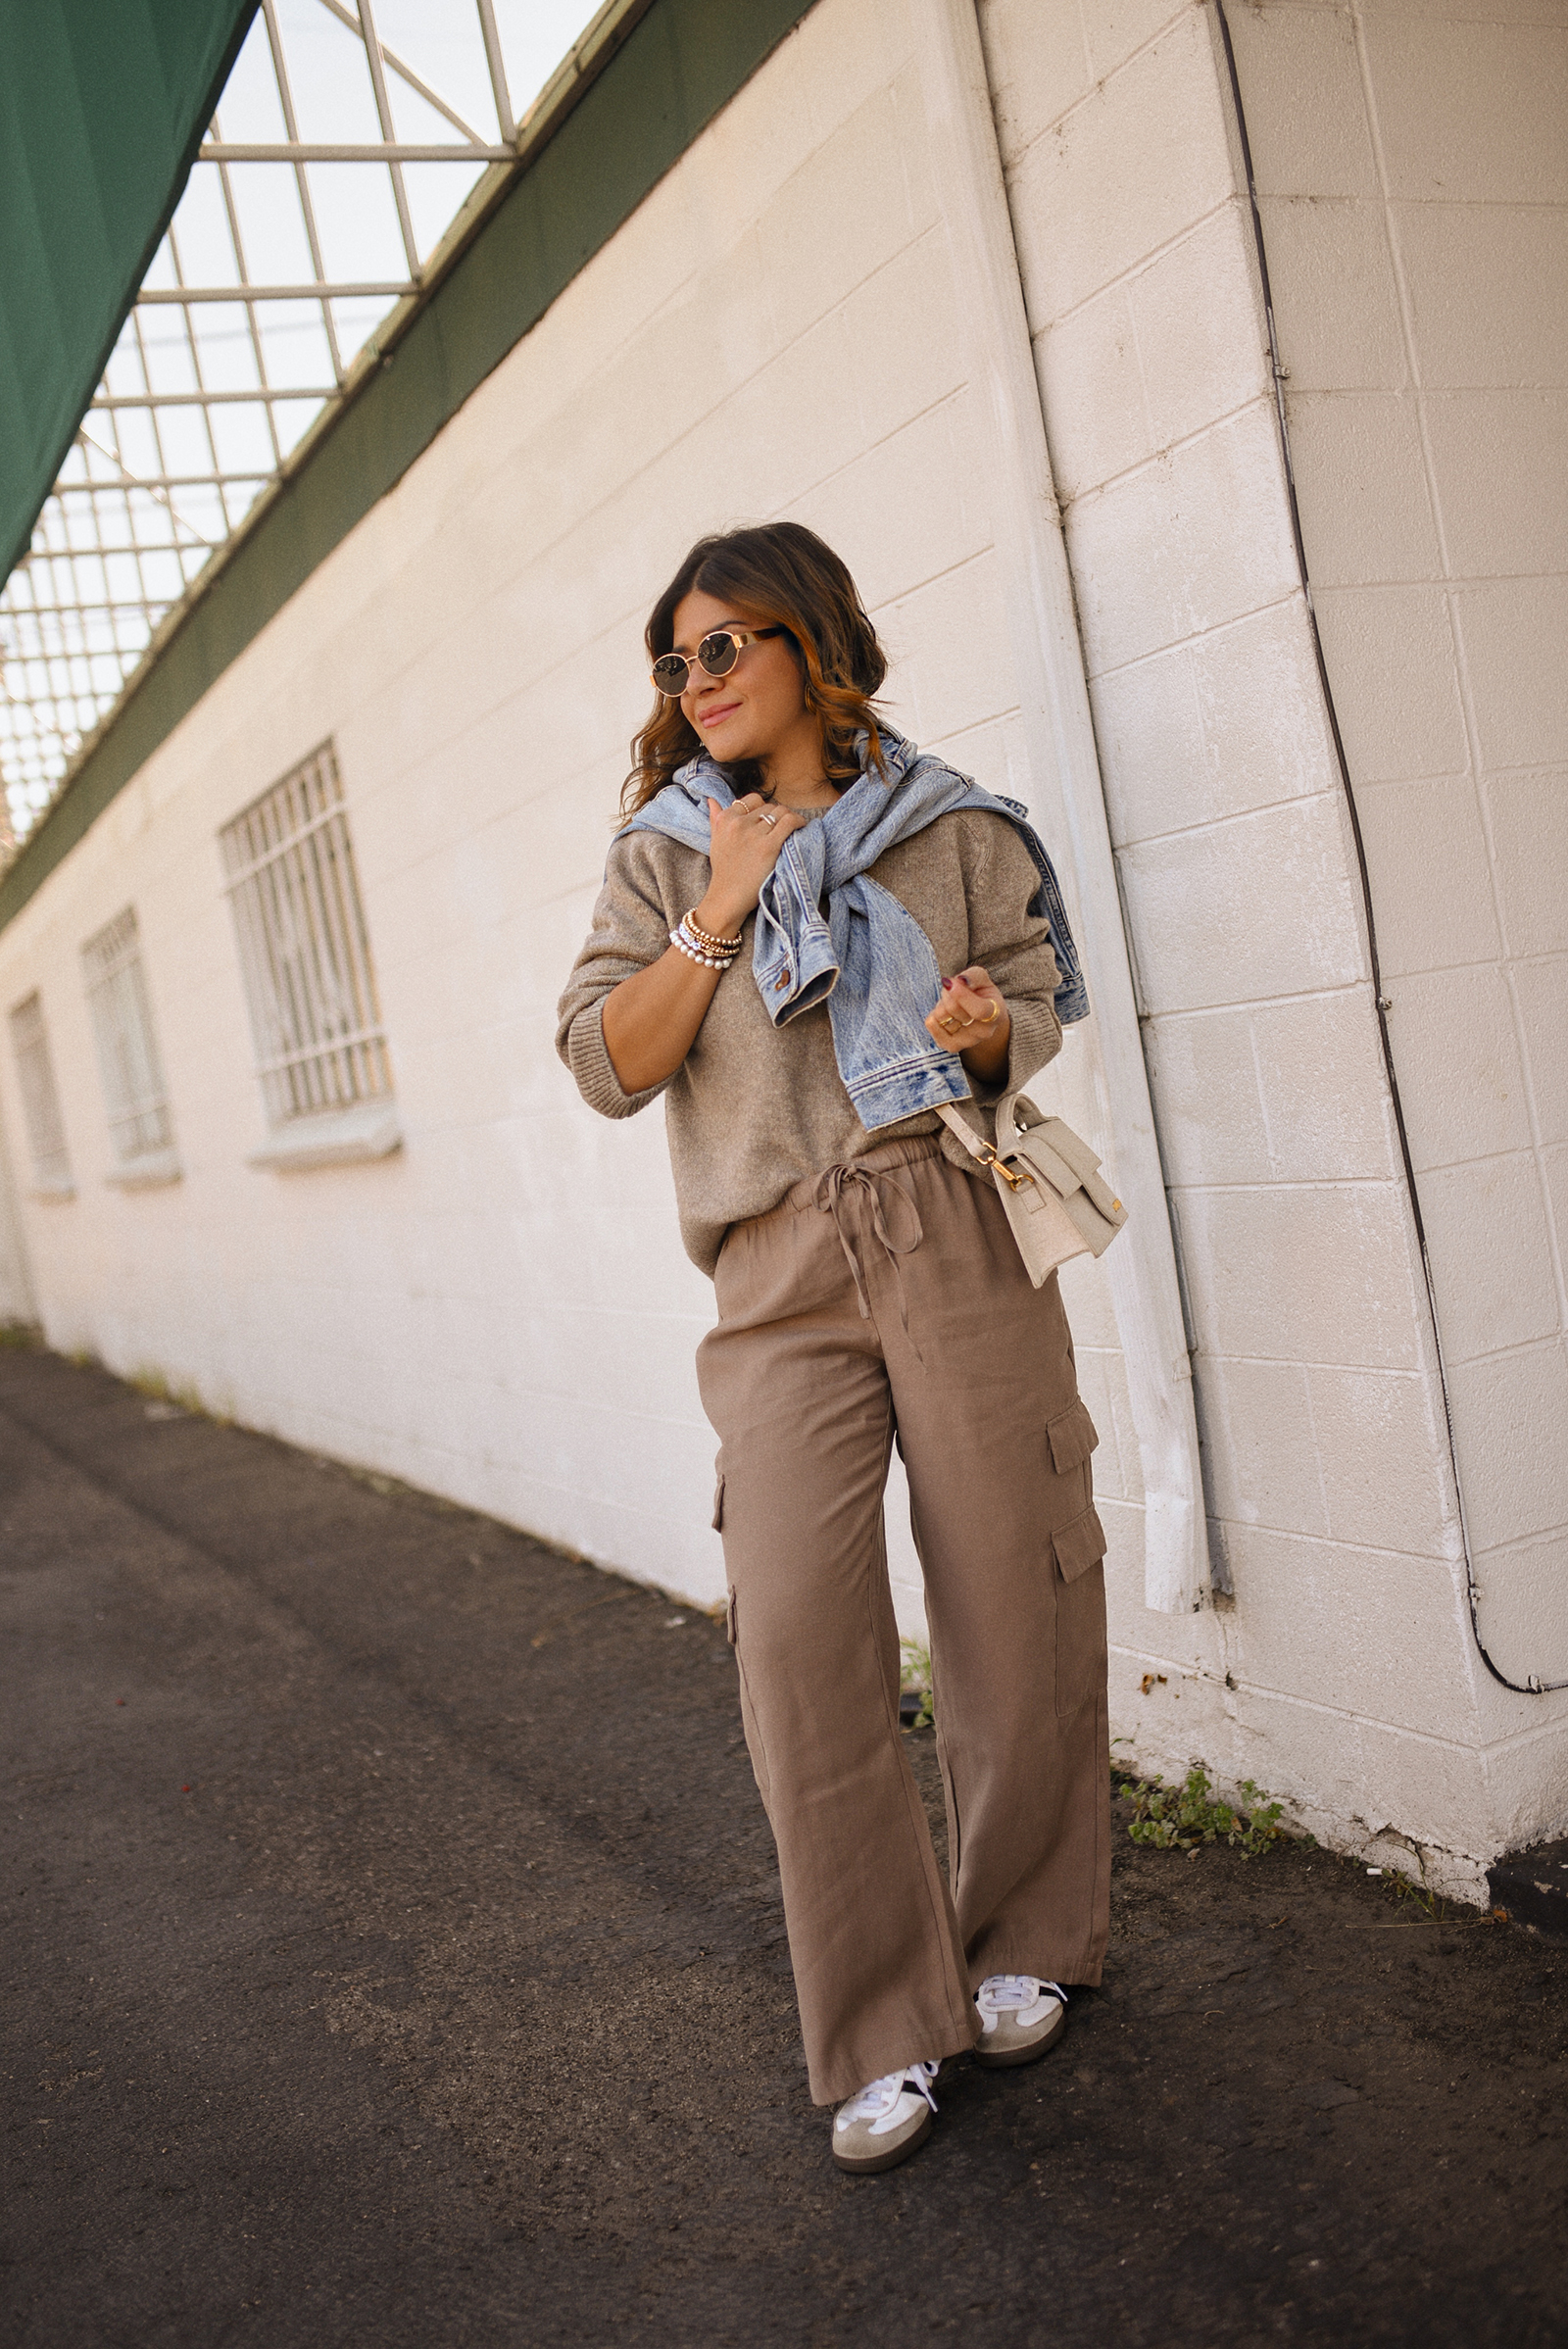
740	637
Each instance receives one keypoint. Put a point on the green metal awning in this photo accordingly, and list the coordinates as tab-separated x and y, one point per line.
102	104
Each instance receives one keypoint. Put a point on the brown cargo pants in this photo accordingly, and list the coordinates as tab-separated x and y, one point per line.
885	1301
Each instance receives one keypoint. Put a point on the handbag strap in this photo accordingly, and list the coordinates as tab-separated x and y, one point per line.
980	1150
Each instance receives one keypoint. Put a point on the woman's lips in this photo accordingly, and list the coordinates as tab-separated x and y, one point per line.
715	717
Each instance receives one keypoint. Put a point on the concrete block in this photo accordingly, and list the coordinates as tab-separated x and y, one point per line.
1488	288
1490	1242
955	649
1152	563
1457	1052
1512	633
1427	852
1384	1454
1336	303
1540	990
1198	314
1204	1078
1523	1608
1509	1413
1037	63
1228	722
1389	655
1301	80
1287	1091
1471	112
858	174
1116	30
1142	158
1530	841
1302	1273
1263	1458
1372	1635
1298	935
1092	391
1500	462
907	508
1367	518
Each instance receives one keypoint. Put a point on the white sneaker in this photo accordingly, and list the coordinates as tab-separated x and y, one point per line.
1021	2017
889	2120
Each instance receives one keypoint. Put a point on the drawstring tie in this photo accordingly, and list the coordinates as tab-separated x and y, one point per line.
830	1199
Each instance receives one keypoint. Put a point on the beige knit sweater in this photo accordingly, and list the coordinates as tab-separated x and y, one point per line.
753	1109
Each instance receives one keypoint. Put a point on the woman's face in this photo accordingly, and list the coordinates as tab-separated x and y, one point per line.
758	711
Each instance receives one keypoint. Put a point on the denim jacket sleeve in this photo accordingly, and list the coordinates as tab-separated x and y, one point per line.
1012	944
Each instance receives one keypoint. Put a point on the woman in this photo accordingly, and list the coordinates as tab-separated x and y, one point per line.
810	939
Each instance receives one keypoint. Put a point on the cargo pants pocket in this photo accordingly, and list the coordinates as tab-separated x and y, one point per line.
1078	1550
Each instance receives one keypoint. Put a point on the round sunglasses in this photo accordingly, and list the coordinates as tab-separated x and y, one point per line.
717	656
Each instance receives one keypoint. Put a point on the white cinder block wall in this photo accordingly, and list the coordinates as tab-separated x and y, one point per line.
1347	1659
502	1312
1413	179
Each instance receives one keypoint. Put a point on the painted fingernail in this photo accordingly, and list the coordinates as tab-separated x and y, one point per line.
945	984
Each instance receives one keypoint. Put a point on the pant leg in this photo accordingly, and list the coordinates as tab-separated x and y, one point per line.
794	1383
996	1443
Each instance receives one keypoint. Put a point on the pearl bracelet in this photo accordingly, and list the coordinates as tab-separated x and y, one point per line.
694	953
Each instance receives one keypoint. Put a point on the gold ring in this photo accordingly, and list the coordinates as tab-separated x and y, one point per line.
995	1014
770	820
949	1024
967	1023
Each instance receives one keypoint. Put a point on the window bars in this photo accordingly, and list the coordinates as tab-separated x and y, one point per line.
41	1103
128	1053
304	949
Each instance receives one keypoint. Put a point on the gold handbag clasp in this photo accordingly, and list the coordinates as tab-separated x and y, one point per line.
998	1166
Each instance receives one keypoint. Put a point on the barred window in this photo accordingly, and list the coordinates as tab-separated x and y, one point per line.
41	1103
127	1053
304	947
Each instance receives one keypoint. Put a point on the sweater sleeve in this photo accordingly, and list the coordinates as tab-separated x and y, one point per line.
1012	945
630	930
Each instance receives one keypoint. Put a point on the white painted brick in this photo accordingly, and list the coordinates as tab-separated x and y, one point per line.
1487	285
1457	1057
1092	390
857	174
894	541
1336	303
954	649
1389	655
1037	62
1155	134
1542	992
1368	1635
1296	935
1306	114
1116	30
1263	1464
1509	1414
1471	112
1229	722
1525	1778
1486	1227
1514	629
1507	513
1309	1274
1204	1079
1427	852
1367	518
1200	327
1151	566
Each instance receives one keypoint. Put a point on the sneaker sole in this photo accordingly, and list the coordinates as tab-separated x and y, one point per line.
868	2165
1005	2058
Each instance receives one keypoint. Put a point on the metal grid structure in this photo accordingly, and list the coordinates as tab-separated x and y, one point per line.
134	1093
40	1101
333	170
304	949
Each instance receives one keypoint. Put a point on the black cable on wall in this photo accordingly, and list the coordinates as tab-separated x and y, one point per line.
1529	1686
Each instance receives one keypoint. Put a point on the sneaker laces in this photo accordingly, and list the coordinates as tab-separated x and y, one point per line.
1007	1993
878	2097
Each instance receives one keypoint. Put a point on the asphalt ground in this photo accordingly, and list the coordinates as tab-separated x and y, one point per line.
393	1956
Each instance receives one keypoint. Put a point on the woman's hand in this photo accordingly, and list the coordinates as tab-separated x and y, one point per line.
972	1020
745	846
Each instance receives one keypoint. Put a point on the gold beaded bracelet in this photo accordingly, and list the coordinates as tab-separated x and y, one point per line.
694	953
706	938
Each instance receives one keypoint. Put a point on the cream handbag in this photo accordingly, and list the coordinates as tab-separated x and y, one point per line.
1049	1181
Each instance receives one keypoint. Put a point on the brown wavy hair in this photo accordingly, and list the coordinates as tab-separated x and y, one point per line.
785	577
